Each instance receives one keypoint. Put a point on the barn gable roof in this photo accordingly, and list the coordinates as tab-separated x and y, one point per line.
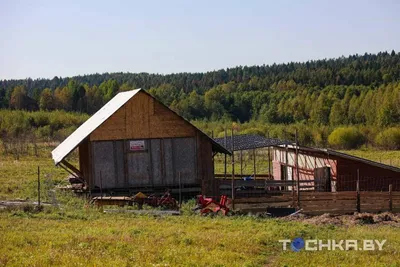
83	131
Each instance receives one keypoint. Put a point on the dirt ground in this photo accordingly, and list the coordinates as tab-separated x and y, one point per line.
386	218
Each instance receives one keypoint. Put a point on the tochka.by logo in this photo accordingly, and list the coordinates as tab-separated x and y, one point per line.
299	243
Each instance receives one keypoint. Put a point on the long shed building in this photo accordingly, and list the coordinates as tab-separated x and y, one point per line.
330	170
136	142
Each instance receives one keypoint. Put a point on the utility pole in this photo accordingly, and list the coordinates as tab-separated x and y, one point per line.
233	170
297	169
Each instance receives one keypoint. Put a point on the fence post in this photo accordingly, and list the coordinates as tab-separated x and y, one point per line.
358	192
269	160
101	186
295	199
297	171
390	198
241	164
225	172
233	169
180	190
254	163
38	183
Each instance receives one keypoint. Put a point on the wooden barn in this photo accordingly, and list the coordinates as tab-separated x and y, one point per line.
136	143
331	170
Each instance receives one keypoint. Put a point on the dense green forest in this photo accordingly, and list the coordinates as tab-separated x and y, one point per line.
361	92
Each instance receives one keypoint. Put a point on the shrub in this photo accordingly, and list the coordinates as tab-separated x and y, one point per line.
39	119
63	133
44	132
18	123
346	138
389	139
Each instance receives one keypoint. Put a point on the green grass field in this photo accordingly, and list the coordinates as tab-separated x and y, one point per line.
89	238
76	234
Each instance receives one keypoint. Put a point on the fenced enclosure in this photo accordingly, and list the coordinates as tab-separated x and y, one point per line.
313	180
315	203
247	162
366	182
259	195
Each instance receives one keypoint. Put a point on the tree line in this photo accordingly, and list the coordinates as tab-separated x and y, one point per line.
359	89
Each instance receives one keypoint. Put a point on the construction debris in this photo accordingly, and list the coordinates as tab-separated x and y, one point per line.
386	218
210	205
165	201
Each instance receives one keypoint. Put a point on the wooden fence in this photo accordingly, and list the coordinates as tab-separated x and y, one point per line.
240	176
260	204
328	202
324	202
261	187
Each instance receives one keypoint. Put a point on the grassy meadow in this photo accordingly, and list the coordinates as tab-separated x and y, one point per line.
89	238
76	234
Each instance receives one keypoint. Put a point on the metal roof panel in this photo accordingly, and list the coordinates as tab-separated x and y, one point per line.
248	141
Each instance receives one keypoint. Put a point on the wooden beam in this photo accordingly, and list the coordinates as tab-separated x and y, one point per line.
72	168
269	158
287	162
297	171
225	156
390	198
241	163
72	173
358	190
254	164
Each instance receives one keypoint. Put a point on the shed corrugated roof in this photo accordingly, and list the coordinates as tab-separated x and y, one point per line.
248	141
72	141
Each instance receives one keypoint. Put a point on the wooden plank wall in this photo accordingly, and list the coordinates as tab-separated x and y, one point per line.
372	178
316	203
205	166
374	201
395	201
328	202
260	204
347	202
84	159
143	117
307	161
261	187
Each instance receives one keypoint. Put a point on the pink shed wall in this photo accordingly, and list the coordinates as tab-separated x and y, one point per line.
307	164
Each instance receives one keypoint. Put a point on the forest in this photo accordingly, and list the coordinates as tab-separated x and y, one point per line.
358	97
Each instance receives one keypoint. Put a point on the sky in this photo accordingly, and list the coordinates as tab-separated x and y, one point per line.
43	39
